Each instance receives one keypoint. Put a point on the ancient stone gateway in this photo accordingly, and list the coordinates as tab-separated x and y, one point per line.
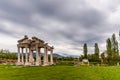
30	45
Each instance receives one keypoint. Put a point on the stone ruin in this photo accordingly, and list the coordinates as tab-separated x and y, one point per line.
30	45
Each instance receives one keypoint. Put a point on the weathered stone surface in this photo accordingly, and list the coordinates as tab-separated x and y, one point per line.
34	44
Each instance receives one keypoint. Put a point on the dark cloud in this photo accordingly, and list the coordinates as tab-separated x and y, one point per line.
91	18
57	21
8	33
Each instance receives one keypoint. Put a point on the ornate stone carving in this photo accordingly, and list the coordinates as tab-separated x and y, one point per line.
34	44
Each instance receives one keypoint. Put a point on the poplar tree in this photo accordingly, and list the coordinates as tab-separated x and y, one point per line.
85	50
96	50
109	47
114	44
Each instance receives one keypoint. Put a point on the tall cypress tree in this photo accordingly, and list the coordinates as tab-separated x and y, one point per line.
114	44
85	50
117	48
109	47
96	50
113	40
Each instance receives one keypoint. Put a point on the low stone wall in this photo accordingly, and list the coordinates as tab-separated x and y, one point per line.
8	61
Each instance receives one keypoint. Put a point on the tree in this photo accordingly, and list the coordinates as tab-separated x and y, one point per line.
96	50
117	48
112	50
114	44
109	49
85	50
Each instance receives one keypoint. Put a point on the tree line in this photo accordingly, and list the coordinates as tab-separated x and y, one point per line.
6	54
110	56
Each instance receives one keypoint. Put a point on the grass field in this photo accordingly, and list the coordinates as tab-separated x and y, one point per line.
59	73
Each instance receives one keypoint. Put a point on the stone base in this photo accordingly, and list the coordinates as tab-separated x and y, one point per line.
46	64
37	63
27	64
31	63
34	63
18	63
51	63
22	63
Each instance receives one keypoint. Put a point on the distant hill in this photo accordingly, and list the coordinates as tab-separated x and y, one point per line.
68	55
58	55
54	54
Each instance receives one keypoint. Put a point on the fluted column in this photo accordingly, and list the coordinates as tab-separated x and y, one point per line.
22	56
45	62
47	56
37	56
18	62
18	54
26	61
51	57
31	59
39	53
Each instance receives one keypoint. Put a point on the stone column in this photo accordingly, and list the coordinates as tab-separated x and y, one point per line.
45	62
22	56
39	53
18	62
31	59
26	61
47	56
51	56
37	56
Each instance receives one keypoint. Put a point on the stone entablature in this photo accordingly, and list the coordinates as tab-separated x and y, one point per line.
30	45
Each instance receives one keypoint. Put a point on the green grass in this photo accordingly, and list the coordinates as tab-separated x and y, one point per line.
59	73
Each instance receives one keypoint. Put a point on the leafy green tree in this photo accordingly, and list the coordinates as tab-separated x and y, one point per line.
117	48
85	50
5	54
112	50
104	59
81	57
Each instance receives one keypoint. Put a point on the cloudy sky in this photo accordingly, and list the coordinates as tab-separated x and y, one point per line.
65	24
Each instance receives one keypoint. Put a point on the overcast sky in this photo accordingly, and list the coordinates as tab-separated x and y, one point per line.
65	24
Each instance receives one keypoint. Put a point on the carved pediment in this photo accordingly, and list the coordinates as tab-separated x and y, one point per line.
24	40
37	40
33	43
49	47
